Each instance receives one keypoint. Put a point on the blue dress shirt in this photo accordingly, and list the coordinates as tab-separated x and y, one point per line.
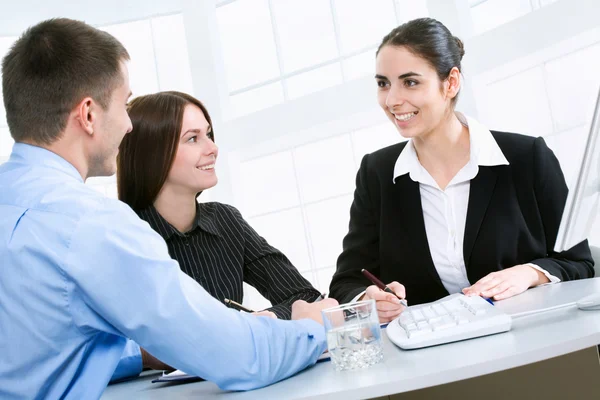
130	364
80	273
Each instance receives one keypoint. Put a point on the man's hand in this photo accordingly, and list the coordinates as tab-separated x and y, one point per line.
149	361
388	305
265	313
301	309
507	283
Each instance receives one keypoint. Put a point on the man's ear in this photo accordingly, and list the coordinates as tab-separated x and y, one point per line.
85	114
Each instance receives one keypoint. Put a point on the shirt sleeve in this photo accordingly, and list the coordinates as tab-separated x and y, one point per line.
551	278
358	296
127	284
130	364
269	270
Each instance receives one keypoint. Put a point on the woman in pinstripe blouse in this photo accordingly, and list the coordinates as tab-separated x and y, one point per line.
164	164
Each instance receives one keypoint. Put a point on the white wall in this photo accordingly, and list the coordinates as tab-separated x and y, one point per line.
289	86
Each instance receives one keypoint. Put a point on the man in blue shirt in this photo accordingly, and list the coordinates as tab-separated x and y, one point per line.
80	273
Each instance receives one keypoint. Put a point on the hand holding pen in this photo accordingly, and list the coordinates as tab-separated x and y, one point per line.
390	298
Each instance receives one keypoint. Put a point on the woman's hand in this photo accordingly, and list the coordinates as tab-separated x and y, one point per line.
388	305
507	283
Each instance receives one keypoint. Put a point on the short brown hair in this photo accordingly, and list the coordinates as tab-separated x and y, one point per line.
50	68
147	153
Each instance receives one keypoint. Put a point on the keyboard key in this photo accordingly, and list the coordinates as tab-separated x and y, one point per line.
418	315
431	315
445	323
423	325
405	318
439	309
410	327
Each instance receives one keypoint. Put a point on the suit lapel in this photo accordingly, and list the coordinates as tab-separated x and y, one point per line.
482	188
410	218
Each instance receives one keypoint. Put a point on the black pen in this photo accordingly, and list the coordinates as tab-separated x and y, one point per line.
238	306
382	285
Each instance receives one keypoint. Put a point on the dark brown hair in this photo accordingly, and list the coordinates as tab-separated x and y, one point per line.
431	40
146	154
50	68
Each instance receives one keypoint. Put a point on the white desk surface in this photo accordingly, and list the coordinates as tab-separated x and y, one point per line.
531	339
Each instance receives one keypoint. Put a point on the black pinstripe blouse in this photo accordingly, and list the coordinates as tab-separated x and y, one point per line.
222	250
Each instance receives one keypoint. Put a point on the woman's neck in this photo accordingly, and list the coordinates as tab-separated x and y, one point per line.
179	209
445	150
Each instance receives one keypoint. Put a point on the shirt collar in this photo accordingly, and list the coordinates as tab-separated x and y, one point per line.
484	151
34	155
204	220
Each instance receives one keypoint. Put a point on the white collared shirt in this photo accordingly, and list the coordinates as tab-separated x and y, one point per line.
445	211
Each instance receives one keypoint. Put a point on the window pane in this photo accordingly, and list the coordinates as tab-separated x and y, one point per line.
253	299
594	237
411	9
5	43
285	231
302	47
256	99
268	184
314	80
324	279
310	276
137	39
544	3
6	142
528	113
325	168
573	83
360	65
328	224
247	41
373	138
172	58
493	13
363	23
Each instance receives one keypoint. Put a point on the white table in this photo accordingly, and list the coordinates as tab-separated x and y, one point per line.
532	339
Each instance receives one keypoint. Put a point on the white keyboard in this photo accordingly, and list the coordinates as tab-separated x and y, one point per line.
453	318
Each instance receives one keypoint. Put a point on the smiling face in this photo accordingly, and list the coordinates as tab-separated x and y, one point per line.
411	93
193	168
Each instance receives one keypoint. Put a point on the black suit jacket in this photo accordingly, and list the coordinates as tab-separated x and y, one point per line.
513	217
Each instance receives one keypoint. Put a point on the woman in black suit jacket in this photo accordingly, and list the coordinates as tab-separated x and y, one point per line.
457	207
